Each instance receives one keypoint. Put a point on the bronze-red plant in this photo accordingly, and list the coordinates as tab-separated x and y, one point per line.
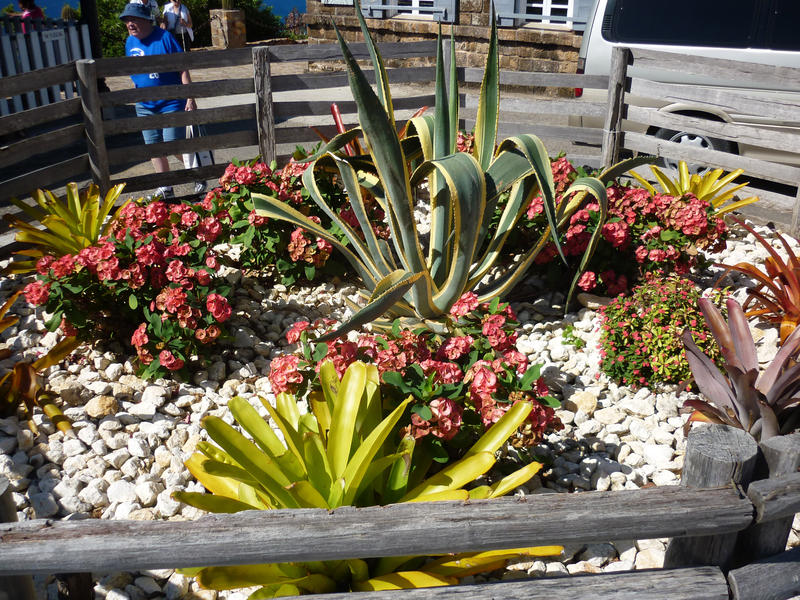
776	296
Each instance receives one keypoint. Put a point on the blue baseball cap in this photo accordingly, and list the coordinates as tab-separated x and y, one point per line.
134	9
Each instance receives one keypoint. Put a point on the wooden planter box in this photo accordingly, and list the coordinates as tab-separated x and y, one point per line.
227	28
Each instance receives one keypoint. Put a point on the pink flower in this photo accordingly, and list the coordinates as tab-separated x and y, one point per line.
218	307
616	233
484	381
464	305
456	347
587	281
170	361
203	277
64	266
43	264
283	374
37	293
536	207
255	220
171	299
139	337
212	262
209	230
641	254
176	271
293	335
156	213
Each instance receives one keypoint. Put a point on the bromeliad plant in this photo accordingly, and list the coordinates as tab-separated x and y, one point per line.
342	452
776	296
71	224
709	187
408	279
764	404
23	388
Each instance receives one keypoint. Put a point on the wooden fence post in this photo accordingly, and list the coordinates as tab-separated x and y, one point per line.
93	120
265	117
775	578
716	456
612	129
12	587
796	215
781	456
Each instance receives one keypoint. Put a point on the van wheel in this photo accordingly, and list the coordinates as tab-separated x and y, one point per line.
697	141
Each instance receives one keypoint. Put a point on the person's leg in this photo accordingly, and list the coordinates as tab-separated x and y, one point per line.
153	136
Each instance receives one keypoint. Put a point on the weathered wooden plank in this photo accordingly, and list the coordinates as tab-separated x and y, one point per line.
293	108
37	116
315	81
202	89
33	80
615	108
586	135
93	122
732	101
76	168
398	530
12	587
775	497
545	107
538	79
201	116
302	134
706	583
212	59
52	140
320	52
774	578
128	154
265	117
712	158
177	177
753	135
750	74
715	455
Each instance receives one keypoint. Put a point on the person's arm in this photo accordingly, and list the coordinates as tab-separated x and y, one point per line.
186	79
187	22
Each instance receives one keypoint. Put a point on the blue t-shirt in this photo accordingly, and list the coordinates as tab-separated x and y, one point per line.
158	42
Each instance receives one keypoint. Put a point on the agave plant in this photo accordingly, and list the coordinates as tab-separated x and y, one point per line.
763	404
70	225
341	453
776	296
407	279
22	386
709	186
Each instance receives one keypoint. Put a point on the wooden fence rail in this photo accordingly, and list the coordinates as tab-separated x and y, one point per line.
709	519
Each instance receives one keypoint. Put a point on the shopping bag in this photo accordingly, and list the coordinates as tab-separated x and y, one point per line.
201	158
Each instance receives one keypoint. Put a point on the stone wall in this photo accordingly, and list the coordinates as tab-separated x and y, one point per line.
521	49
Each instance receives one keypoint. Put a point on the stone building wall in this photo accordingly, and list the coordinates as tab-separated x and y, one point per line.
526	48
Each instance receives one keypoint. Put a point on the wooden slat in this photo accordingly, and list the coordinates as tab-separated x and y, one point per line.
52	140
753	75
302	134
287	110
37	116
76	168
586	135
203	116
775	497
397	530
712	158
521	78
753	135
727	99
48	76
203	89
314	81
129	154
211	59
320	52
177	177
701	583
545	107
773	578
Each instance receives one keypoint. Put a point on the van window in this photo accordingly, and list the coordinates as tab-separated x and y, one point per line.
729	24
782	26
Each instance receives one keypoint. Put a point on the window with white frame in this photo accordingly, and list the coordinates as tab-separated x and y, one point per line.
541	10
414	7
438	10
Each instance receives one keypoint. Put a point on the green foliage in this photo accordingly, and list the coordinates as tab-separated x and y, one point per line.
570	338
112	31
640	341
342	452
407	279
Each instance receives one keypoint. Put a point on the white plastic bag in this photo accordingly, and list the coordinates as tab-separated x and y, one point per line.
201	158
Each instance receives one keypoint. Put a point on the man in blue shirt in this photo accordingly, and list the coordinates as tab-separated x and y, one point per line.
147	40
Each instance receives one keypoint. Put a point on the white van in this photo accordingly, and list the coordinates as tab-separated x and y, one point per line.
759	31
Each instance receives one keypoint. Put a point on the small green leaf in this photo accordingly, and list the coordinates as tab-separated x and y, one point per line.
423	411
320	352
133	301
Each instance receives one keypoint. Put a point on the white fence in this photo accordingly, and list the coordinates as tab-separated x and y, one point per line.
46	44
